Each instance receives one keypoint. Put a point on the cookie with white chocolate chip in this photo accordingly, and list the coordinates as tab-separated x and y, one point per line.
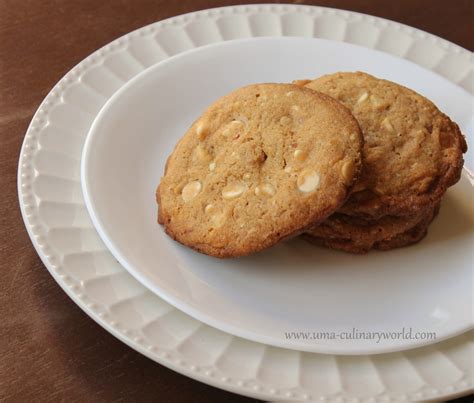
412	151
261	164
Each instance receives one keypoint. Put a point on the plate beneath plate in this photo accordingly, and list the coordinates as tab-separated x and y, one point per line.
58	224
294	295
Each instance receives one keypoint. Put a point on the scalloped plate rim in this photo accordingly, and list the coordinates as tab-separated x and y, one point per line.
451	390
88	176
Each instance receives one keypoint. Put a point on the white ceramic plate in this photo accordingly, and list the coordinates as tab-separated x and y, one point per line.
293	287
62	233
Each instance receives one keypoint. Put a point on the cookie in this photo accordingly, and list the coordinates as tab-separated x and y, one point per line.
364	232
409	236
412	152
261	164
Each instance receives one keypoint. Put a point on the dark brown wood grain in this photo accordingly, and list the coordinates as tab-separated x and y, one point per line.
49	349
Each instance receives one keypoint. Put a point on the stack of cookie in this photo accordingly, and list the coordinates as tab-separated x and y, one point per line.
351	161
412	153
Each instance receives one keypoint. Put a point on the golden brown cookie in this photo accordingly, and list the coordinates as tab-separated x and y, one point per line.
362	231
412	152
360	242
261	164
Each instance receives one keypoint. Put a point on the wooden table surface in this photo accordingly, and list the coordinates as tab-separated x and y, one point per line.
49	349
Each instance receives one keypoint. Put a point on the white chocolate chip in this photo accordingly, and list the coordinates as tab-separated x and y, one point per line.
209	208
191	190
388	125
233	191
376	101
285	120
300	155
218	219
267	189
201	130
308	181
287	169
242	119
237	123
212	166
363	97
233	126
295	108
202	153
290	93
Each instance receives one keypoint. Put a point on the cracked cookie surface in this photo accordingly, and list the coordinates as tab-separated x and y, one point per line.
261	164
